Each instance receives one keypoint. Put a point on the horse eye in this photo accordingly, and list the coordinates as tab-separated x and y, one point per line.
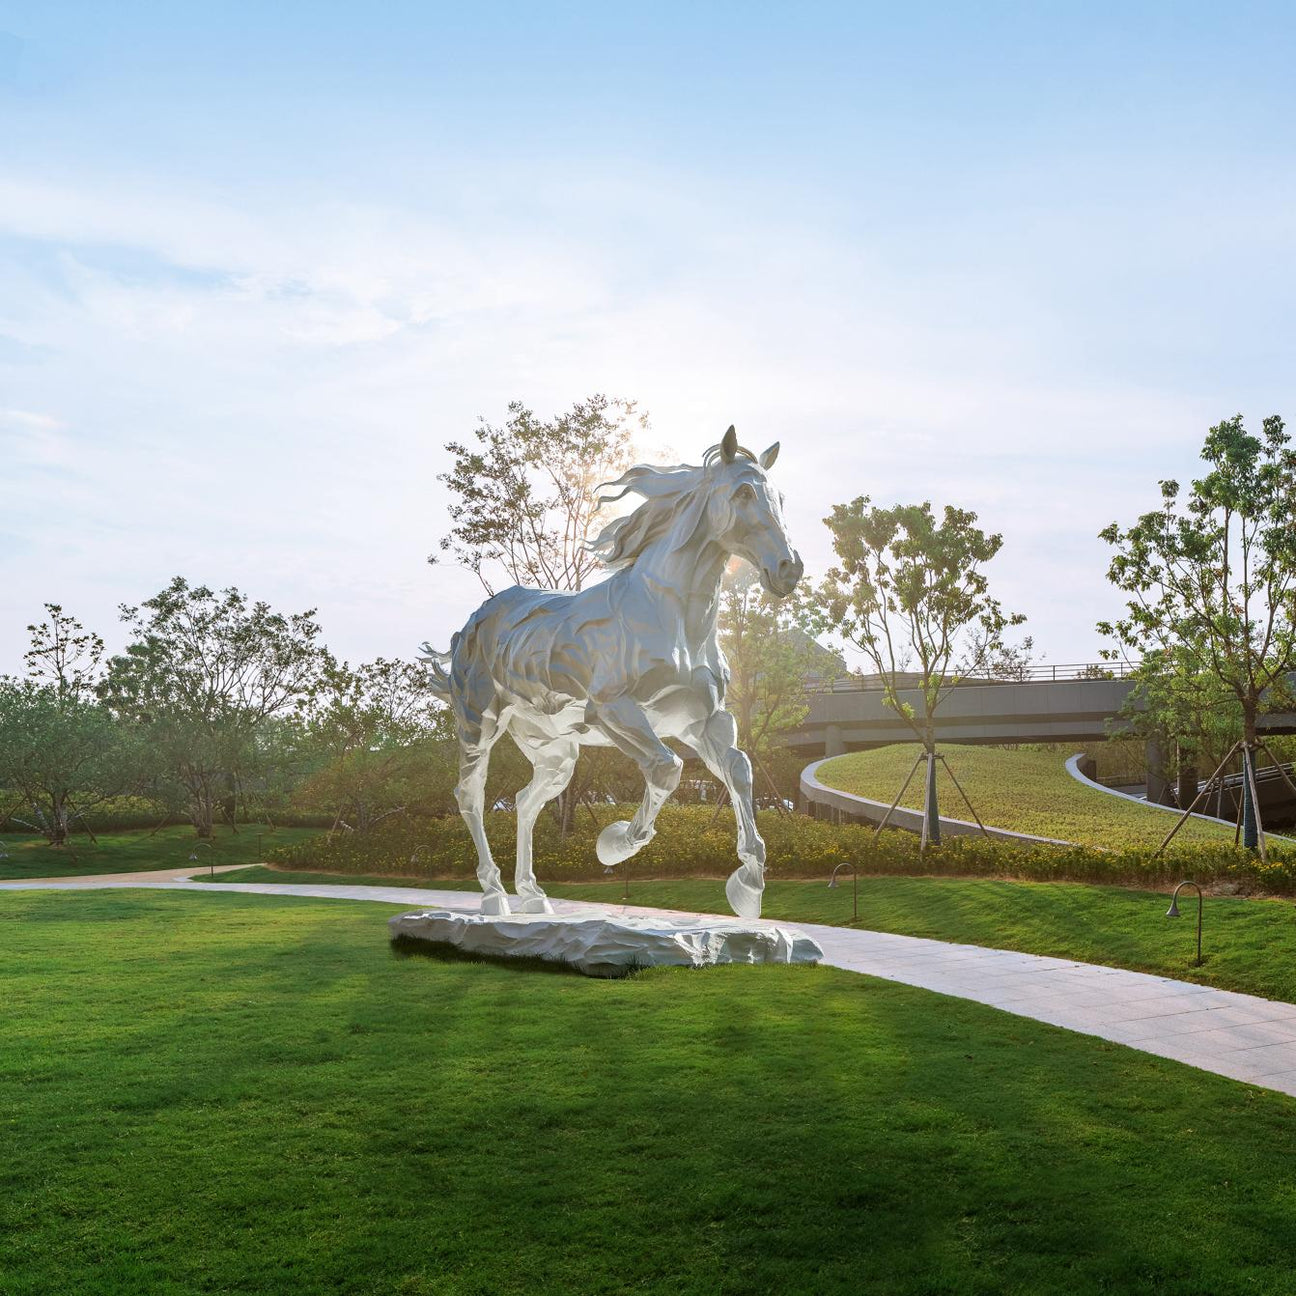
745	494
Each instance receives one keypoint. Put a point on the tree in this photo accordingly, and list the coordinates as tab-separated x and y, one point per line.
523	497
374	731
64	655
1210	577
1014	662
773	666
59	750
205	679
1184	712
910	592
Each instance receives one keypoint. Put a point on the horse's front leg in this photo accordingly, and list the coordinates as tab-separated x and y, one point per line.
717	744
624	722
554	764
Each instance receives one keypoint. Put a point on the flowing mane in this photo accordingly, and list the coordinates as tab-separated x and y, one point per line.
673	502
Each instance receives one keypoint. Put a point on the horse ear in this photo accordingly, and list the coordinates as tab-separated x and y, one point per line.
729	446
767	457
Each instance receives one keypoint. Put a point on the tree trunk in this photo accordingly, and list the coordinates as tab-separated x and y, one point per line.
56	831
203	811
1250	811
931	834
1158	785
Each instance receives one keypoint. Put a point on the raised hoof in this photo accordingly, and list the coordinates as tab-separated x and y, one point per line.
537	904
744	889
614	844
495	904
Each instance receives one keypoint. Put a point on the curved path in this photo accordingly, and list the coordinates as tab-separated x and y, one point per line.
1235	1035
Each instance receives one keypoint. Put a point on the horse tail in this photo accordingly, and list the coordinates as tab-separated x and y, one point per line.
438	679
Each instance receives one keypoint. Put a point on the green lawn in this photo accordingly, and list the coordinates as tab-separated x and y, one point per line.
1249	944
205	1093
31	856
1028	791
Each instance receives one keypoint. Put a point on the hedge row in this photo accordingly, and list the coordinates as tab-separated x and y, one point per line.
120	814
116	814
691	842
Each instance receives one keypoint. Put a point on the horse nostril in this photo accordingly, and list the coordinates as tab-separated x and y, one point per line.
789	570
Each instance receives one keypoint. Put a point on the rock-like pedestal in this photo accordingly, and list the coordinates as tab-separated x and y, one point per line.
609	945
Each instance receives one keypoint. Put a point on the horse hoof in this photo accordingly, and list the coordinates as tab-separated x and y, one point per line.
614	844
494	904
744	892
536	904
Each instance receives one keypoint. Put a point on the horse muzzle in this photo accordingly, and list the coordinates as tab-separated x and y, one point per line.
782	580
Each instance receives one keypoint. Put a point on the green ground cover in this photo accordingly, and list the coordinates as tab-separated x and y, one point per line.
130	852
1027	790
1249	945
233	1093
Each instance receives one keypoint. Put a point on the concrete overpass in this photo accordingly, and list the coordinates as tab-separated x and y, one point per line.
852	715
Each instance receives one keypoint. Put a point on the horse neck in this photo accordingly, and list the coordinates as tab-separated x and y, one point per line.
687	577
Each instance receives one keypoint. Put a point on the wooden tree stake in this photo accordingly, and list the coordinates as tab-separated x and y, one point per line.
1183	818
966	800
886	818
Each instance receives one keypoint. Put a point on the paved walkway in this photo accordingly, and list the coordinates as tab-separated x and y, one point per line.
1235	1035
144	875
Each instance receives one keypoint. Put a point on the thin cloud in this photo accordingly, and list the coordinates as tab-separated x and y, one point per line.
260	394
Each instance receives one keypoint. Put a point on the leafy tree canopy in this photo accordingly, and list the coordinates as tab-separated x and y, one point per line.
1210	575
910	591
216	682
59	751
523	502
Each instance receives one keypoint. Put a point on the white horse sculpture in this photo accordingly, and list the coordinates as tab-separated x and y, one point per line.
623	663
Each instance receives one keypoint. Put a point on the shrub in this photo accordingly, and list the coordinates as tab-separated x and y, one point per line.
122	813
113	814
691	842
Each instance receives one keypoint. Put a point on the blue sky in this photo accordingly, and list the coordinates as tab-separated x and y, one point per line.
259	263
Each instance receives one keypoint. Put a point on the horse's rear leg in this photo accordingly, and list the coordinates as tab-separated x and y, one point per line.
554	763
470	793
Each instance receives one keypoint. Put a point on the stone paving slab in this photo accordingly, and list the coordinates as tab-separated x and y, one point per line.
1240	1036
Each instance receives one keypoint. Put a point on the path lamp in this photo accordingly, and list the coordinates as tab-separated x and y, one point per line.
211	859
609	872
1173	912
833	885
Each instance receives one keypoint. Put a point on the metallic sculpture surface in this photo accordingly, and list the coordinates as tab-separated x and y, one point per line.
624	663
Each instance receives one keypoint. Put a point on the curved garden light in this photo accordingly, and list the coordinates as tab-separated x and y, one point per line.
1173	912
833	884
211	859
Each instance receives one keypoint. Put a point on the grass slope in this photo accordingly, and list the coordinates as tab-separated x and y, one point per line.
1249	945
136	851
233	1093
1027	791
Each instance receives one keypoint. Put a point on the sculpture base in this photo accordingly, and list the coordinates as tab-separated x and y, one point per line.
608	945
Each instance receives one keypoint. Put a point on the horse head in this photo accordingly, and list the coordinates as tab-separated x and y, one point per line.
746	514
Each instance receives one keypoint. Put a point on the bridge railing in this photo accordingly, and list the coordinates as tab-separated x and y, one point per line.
1042	674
